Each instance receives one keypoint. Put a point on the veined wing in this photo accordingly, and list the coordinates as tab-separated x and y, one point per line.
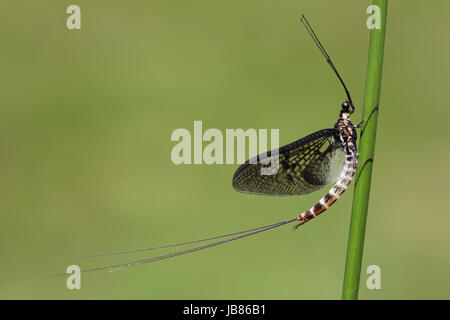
301	167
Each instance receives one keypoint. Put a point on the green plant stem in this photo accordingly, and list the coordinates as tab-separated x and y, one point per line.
366	150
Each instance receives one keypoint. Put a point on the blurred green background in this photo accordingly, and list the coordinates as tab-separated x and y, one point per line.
85	126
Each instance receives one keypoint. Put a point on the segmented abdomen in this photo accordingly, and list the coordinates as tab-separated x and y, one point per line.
337	190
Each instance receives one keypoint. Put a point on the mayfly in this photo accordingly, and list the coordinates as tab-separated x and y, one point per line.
304	166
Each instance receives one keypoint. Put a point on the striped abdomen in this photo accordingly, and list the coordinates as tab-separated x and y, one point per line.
337	190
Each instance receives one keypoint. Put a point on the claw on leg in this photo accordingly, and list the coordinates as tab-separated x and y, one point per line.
359	125
302	221
368	159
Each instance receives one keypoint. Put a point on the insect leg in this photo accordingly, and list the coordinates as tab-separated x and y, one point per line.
359	125
303	219
364	162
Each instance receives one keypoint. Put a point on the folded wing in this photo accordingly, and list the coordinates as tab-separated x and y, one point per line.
301	167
